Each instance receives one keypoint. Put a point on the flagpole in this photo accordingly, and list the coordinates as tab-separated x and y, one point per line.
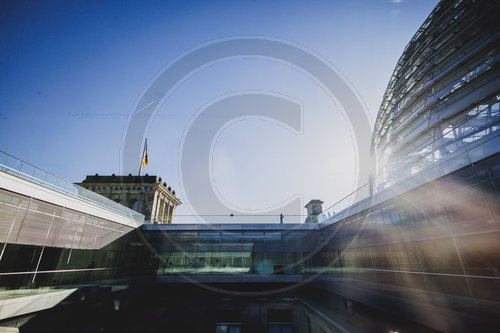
142	155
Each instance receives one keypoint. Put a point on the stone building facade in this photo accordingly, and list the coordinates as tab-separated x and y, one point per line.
148	195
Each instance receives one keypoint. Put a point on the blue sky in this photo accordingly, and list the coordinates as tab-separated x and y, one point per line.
71	71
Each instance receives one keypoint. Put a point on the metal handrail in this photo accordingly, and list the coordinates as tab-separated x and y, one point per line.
14	166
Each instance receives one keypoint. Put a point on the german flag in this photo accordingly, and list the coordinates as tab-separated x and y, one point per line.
145	155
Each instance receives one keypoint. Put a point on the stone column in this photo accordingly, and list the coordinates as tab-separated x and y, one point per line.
160	209
154	208
167	219
172	214
164	212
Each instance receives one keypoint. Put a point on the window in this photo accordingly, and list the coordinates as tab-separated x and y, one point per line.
227	328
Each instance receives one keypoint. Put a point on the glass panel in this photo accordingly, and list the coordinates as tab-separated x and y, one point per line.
29	172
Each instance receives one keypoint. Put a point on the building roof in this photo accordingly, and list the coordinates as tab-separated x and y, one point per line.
122	179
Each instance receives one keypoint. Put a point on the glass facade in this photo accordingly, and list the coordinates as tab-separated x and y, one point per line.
442	98
431	229
232	249
50	239
441	236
